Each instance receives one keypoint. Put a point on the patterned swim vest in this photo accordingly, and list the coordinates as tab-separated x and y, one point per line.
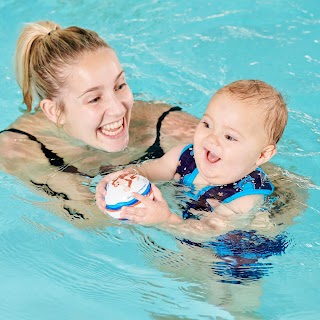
257	182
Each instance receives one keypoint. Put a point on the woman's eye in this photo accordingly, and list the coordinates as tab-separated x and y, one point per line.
121	86
230	138
96	99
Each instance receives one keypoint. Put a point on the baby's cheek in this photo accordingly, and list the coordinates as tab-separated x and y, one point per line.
177	177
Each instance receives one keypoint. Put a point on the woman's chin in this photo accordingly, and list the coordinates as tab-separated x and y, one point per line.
115	145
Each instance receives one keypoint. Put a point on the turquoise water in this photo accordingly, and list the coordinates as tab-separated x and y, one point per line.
179	52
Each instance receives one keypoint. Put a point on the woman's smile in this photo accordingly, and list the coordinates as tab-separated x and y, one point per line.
113	129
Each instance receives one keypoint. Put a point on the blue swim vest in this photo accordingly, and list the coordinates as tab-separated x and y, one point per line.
257	182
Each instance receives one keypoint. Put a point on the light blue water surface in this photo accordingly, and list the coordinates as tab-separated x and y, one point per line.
178	52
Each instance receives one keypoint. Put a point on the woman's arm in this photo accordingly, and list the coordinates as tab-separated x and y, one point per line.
237	214
28	159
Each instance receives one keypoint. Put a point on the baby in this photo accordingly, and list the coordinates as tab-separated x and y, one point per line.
236	135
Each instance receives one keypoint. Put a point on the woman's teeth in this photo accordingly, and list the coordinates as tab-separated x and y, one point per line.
111	129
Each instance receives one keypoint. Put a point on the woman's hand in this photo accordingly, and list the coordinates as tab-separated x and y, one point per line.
155	211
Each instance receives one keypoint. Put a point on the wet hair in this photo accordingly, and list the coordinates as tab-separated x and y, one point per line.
264	96
44	51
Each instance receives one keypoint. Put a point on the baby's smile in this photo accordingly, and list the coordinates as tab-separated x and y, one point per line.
212	157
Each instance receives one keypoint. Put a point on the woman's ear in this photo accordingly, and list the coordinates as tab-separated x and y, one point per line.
52	111
266	154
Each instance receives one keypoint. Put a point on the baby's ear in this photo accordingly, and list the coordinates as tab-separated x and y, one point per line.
266	154
51	110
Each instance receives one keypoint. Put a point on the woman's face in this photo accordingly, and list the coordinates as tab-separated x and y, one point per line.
98	102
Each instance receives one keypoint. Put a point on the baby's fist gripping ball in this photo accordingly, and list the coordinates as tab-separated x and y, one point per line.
119	192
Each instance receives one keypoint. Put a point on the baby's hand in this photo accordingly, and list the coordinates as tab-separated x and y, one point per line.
101	188
156	211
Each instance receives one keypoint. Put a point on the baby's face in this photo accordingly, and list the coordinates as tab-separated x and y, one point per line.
229	140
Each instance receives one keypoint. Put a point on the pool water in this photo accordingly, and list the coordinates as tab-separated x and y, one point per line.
179	52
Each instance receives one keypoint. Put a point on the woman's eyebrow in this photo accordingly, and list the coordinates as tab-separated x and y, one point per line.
90	90
100	87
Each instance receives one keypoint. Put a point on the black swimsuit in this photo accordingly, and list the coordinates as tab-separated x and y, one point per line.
53	158
154	151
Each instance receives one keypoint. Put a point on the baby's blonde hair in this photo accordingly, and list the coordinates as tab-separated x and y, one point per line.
44	51
264	96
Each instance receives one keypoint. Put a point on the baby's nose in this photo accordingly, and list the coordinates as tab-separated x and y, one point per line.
213	138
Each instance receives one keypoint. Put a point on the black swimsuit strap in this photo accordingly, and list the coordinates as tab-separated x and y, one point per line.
52	157
155	151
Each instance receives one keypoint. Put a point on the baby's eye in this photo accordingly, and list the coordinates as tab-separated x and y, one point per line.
96	99
230	138
120	87
205	124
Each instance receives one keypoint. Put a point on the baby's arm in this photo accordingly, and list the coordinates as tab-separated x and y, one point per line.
161	169
157	212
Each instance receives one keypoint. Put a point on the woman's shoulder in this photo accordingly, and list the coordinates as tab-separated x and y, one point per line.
154	110
170	123
32	123
18	130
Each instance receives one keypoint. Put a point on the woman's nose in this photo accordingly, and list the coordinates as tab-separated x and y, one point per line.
114	106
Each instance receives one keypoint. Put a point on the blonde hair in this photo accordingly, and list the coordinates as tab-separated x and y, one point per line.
44	50
267	98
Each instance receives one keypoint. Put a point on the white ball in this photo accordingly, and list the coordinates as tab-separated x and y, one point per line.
119	192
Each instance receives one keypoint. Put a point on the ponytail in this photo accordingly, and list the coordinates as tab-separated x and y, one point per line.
28	45
44	51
